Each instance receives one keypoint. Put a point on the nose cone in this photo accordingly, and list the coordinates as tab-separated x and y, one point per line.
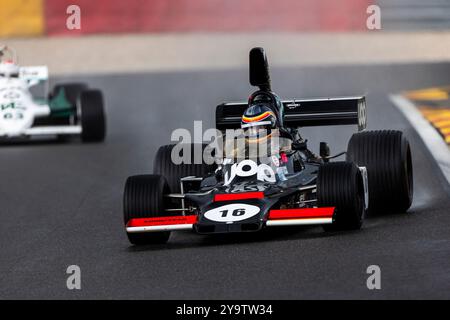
233	216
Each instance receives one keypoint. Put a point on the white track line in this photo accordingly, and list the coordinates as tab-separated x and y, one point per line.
430	136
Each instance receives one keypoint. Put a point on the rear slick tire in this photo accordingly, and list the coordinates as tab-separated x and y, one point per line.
92	118
163	165
387	156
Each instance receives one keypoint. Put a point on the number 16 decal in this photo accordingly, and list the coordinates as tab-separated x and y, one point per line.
232	212
236	213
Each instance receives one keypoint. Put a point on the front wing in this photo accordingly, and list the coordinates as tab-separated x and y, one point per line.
46	131
54	130
283	217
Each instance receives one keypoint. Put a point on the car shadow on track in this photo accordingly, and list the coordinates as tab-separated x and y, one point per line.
37	142
267	235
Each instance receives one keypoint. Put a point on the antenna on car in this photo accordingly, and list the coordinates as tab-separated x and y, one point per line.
259	69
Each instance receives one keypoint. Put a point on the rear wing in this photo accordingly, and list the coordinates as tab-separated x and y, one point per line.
36	78
303	113
34	75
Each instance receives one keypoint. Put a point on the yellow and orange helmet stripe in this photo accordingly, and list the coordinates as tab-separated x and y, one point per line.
261	117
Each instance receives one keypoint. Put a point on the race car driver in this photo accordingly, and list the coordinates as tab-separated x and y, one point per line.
262	122
8	68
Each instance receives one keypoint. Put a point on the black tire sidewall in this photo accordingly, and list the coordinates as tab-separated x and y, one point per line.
406	175
163	165
340	185
144	198
92	116
387	156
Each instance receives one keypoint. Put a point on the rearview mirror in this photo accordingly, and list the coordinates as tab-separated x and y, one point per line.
259	69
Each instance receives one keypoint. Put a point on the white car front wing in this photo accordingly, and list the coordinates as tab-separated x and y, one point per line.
46	131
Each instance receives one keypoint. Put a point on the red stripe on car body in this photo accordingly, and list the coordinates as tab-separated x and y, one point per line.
307	213
161	221
238	196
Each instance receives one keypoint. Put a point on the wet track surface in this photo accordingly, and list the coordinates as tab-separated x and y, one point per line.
61	204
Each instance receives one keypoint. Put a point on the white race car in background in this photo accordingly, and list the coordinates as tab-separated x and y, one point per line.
28	109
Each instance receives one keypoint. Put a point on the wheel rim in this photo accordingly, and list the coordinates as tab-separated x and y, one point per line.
361	198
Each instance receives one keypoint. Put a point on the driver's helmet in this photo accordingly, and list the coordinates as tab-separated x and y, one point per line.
8	69
258	121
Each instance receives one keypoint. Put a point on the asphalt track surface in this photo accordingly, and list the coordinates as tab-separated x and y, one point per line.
61	204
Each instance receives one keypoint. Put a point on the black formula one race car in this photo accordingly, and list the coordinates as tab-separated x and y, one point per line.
248	191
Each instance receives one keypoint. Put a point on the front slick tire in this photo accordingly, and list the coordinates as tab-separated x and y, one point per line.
340	185
144	198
